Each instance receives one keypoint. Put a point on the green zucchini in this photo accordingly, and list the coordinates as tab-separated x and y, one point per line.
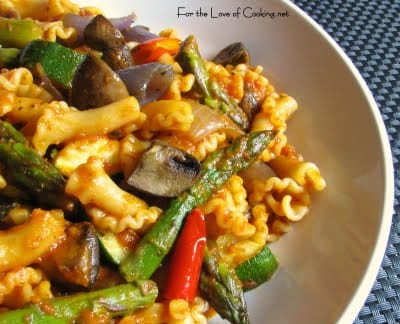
257	269
18	32
9	56
110	247
58	62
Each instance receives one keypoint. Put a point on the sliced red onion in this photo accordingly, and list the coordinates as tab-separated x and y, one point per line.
207	121
257	171
138	34
147	82
76	21
124	22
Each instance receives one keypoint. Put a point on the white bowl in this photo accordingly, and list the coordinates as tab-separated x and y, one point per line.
330	260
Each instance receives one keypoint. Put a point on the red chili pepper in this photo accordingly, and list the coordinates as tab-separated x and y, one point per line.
151	50
187	258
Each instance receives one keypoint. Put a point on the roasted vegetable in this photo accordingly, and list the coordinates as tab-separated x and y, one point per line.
8	133
233	54
18	32
184	267
150	50
95	84
111	248
164	171
212	95
258	269
138	34
9	56
31	172
112	302
147	82
216	170
223	290
101	35
58	62
76	260
118	57
250	104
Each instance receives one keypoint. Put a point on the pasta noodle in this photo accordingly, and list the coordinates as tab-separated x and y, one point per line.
55	29
282	196
22	286
230	207
23	244
77	152
167	115
37	9
209	144
20	82
55	127
306	174
180	84
131	148
176	311
92	186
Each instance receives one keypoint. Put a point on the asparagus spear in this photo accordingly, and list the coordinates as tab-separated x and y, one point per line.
212	94
223	290
29	171
9	134
216	170
18	32
115	301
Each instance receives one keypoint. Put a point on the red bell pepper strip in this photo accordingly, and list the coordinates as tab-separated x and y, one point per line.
149	51
186	261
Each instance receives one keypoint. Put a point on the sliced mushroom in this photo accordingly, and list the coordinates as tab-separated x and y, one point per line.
233	54
249	103
118	57
95	84
165	171
101	35
76	260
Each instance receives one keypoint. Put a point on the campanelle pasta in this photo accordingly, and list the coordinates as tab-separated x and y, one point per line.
97	150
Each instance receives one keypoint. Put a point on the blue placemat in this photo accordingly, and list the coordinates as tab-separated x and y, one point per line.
368	31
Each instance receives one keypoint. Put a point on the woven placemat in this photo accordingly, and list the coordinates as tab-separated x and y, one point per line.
368	32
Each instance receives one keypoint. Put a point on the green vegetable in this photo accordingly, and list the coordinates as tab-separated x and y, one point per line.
9	56
111	249
30	172
223	290
9	134
59	63
18	32
212	95
258	269
115	301
216	170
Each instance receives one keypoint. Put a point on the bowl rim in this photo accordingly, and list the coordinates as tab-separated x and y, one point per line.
366	283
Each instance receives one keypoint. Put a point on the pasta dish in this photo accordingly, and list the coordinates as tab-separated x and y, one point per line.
140	182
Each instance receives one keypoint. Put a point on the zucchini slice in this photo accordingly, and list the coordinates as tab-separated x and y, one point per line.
110	247
258	269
